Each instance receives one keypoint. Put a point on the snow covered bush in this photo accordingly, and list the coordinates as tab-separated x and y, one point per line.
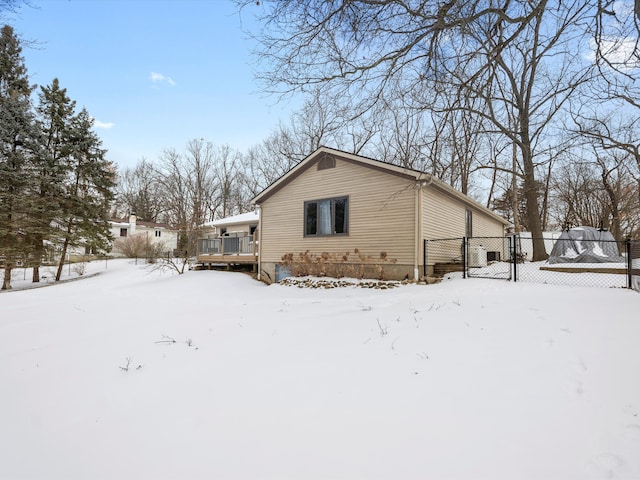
140	246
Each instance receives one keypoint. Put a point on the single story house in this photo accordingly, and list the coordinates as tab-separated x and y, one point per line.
361	217
156	233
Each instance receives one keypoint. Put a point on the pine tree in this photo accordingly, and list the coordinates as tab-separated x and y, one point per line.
55	113
89	191
17	139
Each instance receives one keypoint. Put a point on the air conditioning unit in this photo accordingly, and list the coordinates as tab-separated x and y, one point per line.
477	256
493	256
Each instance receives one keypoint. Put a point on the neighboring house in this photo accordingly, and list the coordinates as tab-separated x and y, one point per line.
243	224
155	233
335	202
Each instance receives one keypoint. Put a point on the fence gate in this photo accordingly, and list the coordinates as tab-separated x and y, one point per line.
490	257
477	257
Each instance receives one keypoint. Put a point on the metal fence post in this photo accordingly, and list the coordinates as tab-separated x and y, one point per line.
424	257
514	256
629	265
464	257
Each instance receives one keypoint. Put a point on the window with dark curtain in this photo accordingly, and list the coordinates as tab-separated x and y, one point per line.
311	218
341	215
326	217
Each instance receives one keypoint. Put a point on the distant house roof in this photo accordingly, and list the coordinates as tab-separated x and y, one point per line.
123	222
408	173
243	218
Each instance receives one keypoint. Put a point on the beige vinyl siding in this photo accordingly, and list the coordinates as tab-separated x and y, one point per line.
381	214
238	228
485	226
444	217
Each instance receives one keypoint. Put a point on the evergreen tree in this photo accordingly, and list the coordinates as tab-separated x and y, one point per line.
55	113
17	134
89	191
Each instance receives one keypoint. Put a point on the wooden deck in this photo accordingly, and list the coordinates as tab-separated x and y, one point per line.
226	259
227	252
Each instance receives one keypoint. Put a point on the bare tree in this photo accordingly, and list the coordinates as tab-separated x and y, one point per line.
402	138
189	187
593	189
201	160
319	122
227	173
173	176
614	139
139	192
516	56
266	162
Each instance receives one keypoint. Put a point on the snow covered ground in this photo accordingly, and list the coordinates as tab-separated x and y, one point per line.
466	379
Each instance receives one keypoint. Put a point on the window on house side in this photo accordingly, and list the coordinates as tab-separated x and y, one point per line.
123	232
326	217
158	233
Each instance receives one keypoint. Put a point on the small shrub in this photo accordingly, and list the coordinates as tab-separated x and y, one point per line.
336	265
80	268
140	246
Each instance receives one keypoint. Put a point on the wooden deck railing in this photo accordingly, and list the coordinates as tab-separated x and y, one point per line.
230	245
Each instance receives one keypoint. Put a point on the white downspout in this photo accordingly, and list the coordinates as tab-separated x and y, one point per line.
418	224
259	210
422	184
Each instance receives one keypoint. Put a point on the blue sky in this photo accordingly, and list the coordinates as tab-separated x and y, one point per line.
153	73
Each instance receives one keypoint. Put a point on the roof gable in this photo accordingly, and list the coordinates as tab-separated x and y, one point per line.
321	154
413	175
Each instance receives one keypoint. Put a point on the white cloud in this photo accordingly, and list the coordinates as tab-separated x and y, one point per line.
619	51
99	124
618	42
158	78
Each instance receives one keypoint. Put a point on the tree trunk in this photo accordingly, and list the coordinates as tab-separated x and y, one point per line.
545	204
61	263
6	284
36	274
533	209
493	180
65	246
615	227
37	253
514	190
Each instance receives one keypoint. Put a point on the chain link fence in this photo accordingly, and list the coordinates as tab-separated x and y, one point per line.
443	256
603	263
586	263
490	257
633	255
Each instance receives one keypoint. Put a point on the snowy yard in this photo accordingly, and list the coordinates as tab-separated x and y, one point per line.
467	379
